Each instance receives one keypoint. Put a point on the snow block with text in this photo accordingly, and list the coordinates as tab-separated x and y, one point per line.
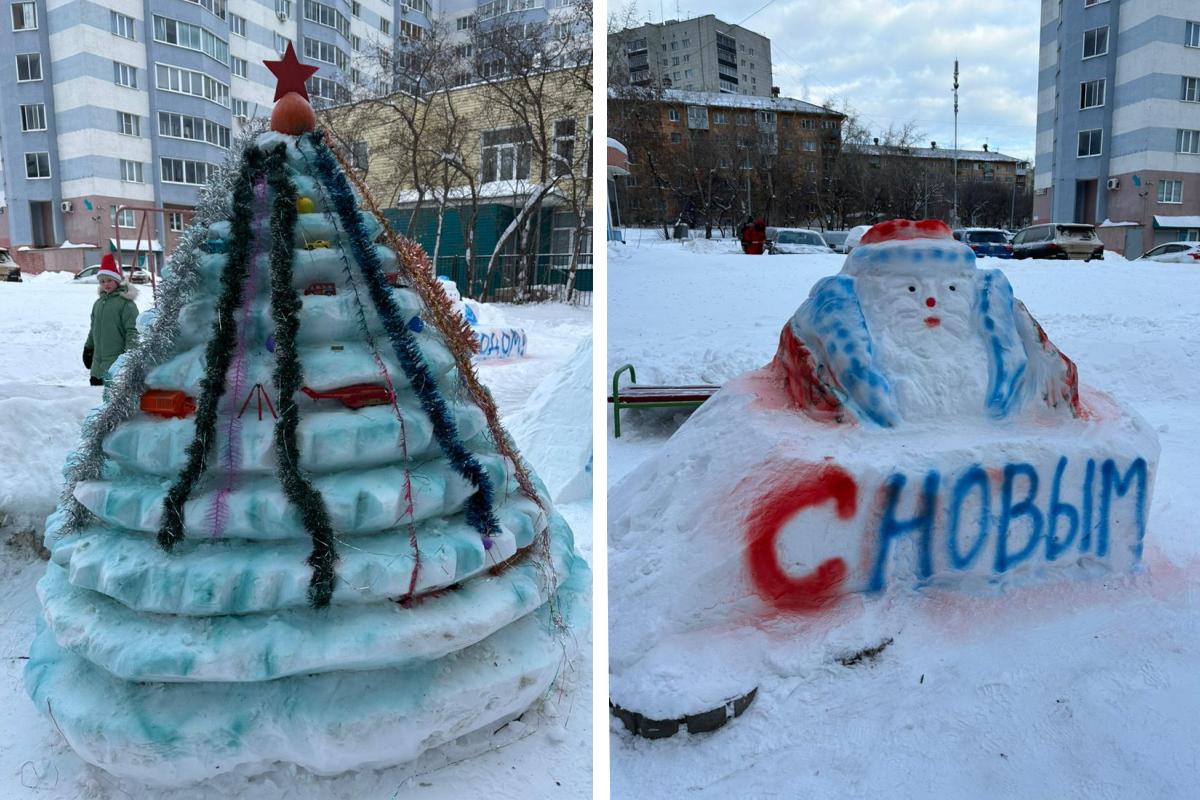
917	428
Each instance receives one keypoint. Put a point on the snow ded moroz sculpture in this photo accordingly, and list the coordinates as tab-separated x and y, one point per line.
916	428
295	531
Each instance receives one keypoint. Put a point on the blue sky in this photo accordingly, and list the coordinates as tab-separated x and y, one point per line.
893	60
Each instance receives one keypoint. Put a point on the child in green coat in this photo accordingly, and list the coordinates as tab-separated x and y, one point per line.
114	316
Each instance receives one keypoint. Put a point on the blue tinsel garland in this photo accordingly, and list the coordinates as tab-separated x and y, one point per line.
479	511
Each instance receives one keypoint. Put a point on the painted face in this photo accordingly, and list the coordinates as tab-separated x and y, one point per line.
913	308
107	285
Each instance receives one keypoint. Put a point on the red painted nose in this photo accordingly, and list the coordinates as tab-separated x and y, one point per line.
929	301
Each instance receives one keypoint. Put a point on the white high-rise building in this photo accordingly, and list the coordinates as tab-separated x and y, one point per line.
113	103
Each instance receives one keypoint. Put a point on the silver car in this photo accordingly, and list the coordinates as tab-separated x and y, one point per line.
796	241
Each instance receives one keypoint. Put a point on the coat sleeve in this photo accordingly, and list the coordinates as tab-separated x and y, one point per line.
89	344
129	316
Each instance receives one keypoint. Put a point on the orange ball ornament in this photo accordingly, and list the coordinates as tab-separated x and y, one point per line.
293	115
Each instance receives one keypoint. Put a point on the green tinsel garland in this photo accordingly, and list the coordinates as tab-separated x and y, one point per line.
289	377
217	354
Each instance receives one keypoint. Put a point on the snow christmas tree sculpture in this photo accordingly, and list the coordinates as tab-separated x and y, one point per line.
916	428
296	531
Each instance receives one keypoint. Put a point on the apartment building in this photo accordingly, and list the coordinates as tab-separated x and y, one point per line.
702	54
120	103
1118	132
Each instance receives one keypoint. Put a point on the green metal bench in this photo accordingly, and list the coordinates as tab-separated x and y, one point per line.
653	396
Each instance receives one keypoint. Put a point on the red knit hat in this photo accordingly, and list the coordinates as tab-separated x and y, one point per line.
109	268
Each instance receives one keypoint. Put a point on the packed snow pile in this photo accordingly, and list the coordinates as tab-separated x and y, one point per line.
916	428
551	431
295	530
494	342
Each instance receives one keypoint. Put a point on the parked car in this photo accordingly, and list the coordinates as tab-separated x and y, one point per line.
985	241
1058	240
1173	253
9	270
836	240
88	274
140	275
854	236
795	241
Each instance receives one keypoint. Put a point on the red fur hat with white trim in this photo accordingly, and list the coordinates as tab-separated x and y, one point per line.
109	268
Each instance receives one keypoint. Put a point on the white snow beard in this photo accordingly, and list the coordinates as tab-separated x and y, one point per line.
936	369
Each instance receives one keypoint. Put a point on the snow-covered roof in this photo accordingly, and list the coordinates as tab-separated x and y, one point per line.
723	100
135	244
1108	223
496	190
615	145
938	152
1176	222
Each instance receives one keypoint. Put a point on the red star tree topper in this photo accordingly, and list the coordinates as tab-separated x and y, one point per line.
292	113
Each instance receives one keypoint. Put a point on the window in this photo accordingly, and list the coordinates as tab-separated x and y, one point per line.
281	43
355	8
385	26
197	129
123	218
24	16
409	30
1095	42
283	8
237	25
676	138
240	108
131	171
505	154
720	118
29	66
674	61
129	124
564	146
323	51
355	43
186	81
1191	89
687	43
37	166
215	7
33	117
697	117
326	89
191	37
121	25
1170	191
239	66
1087	3
1191	35
673	115
674	45
1091	94
328	16
179	170
175	220
1090	142
1187	142
466	23
809	146
124	75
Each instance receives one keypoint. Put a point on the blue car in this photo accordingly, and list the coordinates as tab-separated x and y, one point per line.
985	241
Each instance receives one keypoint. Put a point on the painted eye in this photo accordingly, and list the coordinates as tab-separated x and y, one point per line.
952	287
912	288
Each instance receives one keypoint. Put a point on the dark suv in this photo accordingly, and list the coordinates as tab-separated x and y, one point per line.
1058	240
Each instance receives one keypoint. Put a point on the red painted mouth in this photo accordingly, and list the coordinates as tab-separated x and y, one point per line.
932	322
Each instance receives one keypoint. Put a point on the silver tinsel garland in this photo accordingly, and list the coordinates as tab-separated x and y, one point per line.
156	344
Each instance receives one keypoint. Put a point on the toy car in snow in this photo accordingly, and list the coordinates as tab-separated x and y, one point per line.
316	244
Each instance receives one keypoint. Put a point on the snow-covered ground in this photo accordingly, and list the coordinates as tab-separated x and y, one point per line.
44	396
1075	690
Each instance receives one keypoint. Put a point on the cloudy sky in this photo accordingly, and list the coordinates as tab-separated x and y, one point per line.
893	60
